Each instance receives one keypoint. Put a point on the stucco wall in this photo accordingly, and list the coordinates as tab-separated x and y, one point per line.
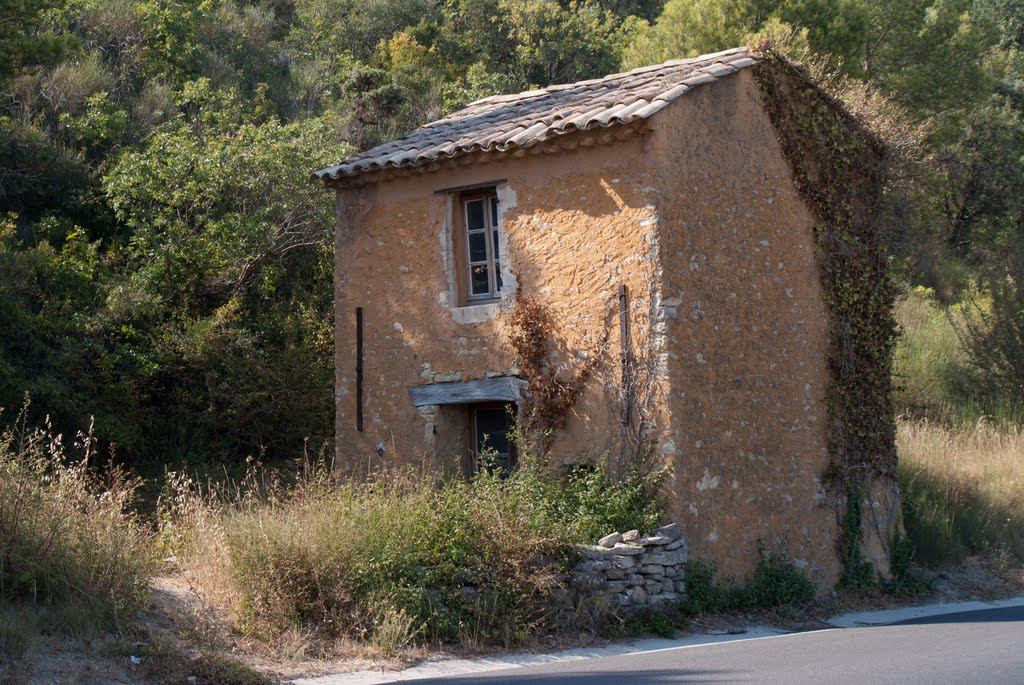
746	337
578	223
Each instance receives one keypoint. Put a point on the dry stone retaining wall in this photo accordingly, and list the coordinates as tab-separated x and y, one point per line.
640	571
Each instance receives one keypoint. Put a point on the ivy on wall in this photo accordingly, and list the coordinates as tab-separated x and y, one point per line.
839	170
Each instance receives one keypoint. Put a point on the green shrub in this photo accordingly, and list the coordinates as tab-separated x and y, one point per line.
906	579
933	370
384	561
665	622
593	504
991	330
775	584
67	538
705	593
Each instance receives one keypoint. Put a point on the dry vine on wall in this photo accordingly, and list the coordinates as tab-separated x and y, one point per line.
552	389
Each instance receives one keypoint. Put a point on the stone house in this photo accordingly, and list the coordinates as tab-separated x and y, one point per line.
654	219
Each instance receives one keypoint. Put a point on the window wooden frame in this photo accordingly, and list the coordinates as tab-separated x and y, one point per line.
476	245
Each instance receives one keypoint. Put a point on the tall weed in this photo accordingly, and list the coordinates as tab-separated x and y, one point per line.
963	489
68	540
401	557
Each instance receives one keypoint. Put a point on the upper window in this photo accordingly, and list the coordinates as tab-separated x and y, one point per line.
481	268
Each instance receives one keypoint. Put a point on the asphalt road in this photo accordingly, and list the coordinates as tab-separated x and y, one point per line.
985	646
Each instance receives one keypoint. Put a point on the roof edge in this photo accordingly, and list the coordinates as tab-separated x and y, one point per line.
541	132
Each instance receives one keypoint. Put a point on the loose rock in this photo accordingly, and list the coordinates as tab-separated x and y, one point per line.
670	531
621	548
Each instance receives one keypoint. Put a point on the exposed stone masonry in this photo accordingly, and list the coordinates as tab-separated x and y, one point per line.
641	571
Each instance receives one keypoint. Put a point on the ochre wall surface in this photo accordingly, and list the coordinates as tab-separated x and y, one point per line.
747	337
699	218
578	223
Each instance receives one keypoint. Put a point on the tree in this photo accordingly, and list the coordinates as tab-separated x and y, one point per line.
557	43
992	328
983	192
24	41
931	56
687	29
226	282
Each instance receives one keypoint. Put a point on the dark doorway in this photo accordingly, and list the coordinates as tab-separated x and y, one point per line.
492	449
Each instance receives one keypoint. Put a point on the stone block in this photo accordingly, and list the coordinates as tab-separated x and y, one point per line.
621	561
636	579
653	585
628	550
615	573
594	565
670	571
662	598
670	531
675	544
679	585
638	596
615	586
652	570
668	585
631	536
662	558
587	578
655	541
609	541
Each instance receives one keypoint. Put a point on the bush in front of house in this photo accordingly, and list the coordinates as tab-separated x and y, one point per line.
400	558
775	584
72	555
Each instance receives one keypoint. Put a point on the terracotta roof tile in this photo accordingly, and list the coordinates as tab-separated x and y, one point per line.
505	122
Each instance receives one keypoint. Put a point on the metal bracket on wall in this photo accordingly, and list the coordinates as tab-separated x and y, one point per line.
626	390
359	369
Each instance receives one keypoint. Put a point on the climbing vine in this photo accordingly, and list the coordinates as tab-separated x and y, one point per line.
839	168
552	391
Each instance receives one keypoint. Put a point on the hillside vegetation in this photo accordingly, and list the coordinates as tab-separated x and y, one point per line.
165	262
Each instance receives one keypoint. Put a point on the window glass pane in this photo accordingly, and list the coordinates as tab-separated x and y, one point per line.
475	215
478	280
494	238
497	276
494	211
478	247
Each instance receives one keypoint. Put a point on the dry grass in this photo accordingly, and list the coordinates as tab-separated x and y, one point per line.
960	443
389	562
69	542
400	560
74	561
963	489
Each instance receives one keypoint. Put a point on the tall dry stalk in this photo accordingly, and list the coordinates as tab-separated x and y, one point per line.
963	488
